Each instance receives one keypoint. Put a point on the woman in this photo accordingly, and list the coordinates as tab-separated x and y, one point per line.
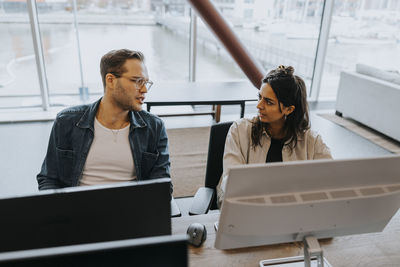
280	132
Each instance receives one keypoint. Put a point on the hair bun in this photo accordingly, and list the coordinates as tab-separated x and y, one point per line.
289	70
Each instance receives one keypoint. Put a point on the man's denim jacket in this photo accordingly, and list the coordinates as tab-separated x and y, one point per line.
72	136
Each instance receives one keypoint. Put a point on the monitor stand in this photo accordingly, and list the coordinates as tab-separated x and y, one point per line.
313	257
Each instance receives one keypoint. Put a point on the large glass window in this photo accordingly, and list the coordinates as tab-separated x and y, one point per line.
275	32
136	25
212	61
19	84
60	50
362	32
100	27
280	32
105	25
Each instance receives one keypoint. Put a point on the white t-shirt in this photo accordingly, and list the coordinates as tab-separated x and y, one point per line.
110	157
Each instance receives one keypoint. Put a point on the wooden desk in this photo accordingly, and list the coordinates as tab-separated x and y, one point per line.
201	93
366	250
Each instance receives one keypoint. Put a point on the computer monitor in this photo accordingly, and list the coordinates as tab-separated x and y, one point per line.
86	214
285	202
170	251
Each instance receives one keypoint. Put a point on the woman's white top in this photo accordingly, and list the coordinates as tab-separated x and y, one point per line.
239	150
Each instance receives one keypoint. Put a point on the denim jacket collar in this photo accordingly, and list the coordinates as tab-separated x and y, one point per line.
87	119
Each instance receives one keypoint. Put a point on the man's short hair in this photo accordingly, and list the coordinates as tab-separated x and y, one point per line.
113	62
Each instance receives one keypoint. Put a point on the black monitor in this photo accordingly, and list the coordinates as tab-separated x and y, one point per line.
169	251
87	214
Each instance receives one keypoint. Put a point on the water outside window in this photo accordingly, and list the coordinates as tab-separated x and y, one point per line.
362	32
18	75
275	32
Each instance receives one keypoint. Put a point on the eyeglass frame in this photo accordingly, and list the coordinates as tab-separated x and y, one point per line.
147	83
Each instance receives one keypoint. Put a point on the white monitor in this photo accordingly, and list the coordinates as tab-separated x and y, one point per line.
285	202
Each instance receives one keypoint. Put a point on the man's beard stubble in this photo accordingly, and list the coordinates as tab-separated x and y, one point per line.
121	99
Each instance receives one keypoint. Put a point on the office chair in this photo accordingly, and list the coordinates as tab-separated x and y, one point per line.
206	197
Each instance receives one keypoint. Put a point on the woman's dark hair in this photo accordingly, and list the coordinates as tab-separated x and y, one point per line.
290	90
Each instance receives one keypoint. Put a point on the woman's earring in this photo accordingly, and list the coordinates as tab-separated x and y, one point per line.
285	116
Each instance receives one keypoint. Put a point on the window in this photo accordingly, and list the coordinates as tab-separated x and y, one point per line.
283	32
212	61
19	84
103	26
279	32
60	50
248	14
362	32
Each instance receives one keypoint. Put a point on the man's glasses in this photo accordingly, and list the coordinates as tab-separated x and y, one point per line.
139	82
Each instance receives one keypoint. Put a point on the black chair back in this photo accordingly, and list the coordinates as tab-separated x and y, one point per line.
216	148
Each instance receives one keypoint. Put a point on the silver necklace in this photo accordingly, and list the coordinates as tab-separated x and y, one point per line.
115	134
116	131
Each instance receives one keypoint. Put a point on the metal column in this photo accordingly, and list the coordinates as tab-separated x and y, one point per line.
83	90
321	50
193	46
37	45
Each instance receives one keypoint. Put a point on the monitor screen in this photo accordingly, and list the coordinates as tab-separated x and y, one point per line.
285	202
169	251
87	214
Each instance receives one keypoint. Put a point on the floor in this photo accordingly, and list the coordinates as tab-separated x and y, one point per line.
24	144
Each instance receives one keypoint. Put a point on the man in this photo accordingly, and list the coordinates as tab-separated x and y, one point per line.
113	139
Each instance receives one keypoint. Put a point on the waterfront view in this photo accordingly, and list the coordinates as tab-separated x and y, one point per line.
279	35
